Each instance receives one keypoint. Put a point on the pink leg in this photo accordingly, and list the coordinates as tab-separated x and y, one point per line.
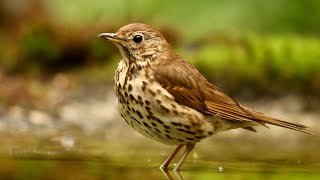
185	154
165	165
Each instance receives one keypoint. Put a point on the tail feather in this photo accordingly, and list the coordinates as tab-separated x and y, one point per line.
265	119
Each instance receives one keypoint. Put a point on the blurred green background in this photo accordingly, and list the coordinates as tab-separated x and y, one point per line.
249	47
56	81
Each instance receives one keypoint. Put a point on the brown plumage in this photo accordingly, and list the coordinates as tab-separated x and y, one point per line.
165	98
191	89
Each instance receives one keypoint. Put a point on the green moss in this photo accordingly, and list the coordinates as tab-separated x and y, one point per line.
40	41
285	61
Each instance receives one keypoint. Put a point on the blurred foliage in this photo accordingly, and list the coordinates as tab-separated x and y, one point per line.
245	46
275	63
196	17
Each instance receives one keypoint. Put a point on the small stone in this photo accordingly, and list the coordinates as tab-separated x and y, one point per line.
2	126
67	142
195	155
17	112
39	118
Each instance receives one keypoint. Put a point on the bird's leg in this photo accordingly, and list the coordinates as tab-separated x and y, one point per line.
189	148
165	165
167	174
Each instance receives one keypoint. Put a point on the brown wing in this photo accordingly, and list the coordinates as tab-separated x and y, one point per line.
191	89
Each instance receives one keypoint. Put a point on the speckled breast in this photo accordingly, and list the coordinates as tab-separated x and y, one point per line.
152	111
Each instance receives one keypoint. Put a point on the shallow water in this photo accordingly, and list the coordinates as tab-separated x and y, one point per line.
42	168
80	157
84	142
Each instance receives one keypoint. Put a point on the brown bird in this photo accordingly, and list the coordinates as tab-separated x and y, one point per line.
165	98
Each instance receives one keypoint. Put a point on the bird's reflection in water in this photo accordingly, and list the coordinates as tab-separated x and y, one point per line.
169	177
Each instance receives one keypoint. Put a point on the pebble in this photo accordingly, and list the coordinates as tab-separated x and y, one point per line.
67	142
95	113
195	155
39	118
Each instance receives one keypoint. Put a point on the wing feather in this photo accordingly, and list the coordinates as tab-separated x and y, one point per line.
191	89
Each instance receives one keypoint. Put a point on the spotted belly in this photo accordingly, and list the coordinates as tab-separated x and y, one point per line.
154	114
160	129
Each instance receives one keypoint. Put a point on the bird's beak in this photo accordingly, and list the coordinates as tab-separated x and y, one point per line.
112	37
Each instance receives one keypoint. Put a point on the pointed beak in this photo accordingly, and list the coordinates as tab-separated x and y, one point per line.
112	37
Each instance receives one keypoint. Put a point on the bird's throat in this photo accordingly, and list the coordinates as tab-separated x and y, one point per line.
126	56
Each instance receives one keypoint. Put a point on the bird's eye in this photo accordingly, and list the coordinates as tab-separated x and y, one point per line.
137	38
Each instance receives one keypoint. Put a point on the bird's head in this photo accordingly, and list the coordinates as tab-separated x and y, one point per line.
138	42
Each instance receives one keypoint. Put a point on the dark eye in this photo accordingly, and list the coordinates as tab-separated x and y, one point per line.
137	38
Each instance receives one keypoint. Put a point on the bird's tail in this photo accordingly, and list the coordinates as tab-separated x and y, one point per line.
265	119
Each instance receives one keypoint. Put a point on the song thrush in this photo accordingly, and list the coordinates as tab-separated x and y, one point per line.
165	98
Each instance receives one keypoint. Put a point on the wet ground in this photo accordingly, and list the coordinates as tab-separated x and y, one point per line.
85	139
99	169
